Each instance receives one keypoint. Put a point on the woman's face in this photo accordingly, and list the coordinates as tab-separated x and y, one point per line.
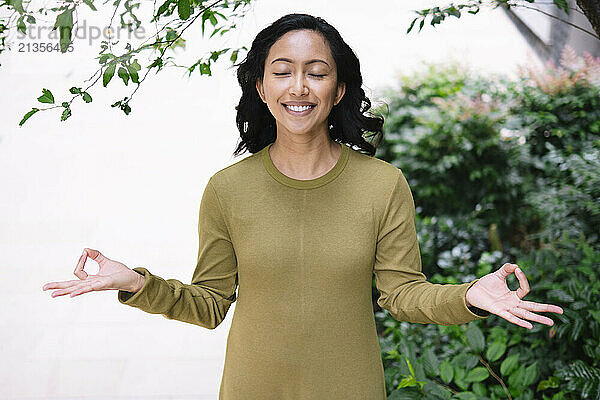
300	69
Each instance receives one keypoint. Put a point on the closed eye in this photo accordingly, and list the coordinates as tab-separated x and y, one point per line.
287	73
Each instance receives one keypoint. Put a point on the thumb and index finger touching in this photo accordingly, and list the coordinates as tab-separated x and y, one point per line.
91	253
509	268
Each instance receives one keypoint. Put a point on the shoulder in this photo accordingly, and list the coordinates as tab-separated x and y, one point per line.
233	175
377	172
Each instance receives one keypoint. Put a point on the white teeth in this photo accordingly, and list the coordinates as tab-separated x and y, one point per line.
299	108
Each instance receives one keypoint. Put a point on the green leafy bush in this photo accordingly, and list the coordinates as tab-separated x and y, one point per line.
501	171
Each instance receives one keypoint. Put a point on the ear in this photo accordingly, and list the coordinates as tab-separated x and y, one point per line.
259	89
341	89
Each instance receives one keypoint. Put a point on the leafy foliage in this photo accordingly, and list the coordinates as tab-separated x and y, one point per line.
490	187
170	20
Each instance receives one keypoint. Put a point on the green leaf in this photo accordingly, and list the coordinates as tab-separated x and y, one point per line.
205	69
65	114
446	371
459	378
411	25
90	4
410	367
550	383
509	364
406	393
133	69
530	374
408	381
171	35
477	374
430	362
184	9
479	389
475	338
517	378
75	90
434	391
21	25
108	74
17	5
234	55
29	114
465	396
30	19
86	97
562	5
46	97
495	351
64	23
163	8
123	74
135	66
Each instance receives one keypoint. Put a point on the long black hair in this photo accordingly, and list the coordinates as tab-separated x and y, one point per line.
347	121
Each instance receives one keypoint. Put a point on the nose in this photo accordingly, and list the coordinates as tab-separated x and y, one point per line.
298	86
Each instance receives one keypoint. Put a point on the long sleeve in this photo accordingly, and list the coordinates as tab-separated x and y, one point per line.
207	299
404	290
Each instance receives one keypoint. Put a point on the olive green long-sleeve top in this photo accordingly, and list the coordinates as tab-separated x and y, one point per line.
302	254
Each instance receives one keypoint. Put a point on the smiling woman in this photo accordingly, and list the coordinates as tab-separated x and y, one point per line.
304	84
299	228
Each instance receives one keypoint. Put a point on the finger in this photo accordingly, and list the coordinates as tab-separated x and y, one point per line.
531	316
83	289
60	285
523	283
510	317
505	270
79	272
96	255
70	289
540	307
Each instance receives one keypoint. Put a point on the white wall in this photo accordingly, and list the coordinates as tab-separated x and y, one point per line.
130	186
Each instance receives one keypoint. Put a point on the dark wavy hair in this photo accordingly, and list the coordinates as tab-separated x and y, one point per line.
347	121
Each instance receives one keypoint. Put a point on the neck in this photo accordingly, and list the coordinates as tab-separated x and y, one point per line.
305	160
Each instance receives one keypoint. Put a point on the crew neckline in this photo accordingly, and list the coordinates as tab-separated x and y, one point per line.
305	183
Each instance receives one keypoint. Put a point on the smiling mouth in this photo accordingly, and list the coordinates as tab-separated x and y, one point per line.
299	110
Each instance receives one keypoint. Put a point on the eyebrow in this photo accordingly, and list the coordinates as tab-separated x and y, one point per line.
314	60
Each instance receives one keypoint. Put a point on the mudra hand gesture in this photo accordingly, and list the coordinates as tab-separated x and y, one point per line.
491	293
111	275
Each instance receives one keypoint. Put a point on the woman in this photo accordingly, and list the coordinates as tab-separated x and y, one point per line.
301	225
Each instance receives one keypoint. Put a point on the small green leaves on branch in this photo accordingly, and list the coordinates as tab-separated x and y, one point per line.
66	112
439	14
123	105
46	97
85	95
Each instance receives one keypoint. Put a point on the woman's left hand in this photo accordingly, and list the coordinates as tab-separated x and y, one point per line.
491	293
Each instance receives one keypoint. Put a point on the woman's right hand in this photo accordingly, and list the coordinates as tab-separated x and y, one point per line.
112	275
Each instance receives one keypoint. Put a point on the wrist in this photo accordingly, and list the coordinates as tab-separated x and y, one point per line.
468	303
139	282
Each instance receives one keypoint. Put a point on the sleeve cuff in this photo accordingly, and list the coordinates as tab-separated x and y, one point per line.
455	311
